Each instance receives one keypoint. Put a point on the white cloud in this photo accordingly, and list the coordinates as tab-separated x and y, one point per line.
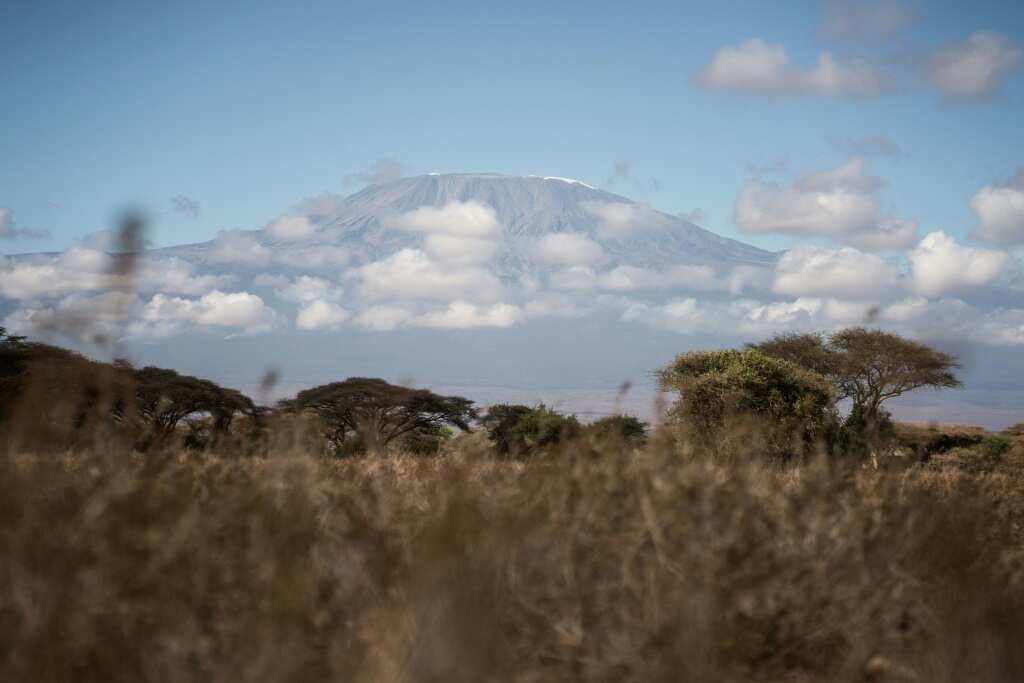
236	246
82	269
87	317
621	220
866	20
462	315
976	67
163	315
744	316
306	289
760	68
176	276
915	316
468	219
457	249
458	232
79	269
846	274
291	228
320	314
744	278
940	265
840	203
1000	211
568	249
410	273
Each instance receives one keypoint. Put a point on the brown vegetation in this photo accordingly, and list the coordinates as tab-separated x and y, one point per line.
595	553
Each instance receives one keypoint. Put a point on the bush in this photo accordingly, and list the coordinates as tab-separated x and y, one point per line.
626	427
517	430
744	398
983	457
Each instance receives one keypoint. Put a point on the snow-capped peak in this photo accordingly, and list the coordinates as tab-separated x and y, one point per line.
571	181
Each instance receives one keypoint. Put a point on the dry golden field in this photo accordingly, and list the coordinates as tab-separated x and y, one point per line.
596	562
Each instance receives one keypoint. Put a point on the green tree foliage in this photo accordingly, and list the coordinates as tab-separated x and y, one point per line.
55	393
625	427
163	398
868	367
379	412
518	430
789	407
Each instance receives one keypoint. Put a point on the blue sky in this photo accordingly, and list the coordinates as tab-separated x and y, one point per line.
249	107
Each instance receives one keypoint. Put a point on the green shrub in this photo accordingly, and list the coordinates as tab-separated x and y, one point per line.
983	457
746	398
519	430
626	427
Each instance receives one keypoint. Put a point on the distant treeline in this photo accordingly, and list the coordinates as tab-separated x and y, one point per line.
777	399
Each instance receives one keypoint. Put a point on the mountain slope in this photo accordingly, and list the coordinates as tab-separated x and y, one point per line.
526	208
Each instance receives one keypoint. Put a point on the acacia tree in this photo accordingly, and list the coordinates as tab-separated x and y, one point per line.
164	398
866	366
380	412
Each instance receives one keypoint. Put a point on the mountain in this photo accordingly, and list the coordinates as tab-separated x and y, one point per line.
526	209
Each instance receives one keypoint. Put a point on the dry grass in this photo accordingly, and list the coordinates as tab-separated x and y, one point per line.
596	564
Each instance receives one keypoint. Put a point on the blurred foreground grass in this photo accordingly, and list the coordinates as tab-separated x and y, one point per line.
599	562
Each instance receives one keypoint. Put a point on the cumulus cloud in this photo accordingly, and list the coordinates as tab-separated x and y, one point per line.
465	219
622	220
307	289
411	273
237	246
1000	211
846	274
745	316
186	206
9	229
568	249
83	269
320	314
940	265
165	315
291	228
81	316
381	171
176	276
840	203
867	20
458	232
757	67
79	269
975	68
463	315
913	316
